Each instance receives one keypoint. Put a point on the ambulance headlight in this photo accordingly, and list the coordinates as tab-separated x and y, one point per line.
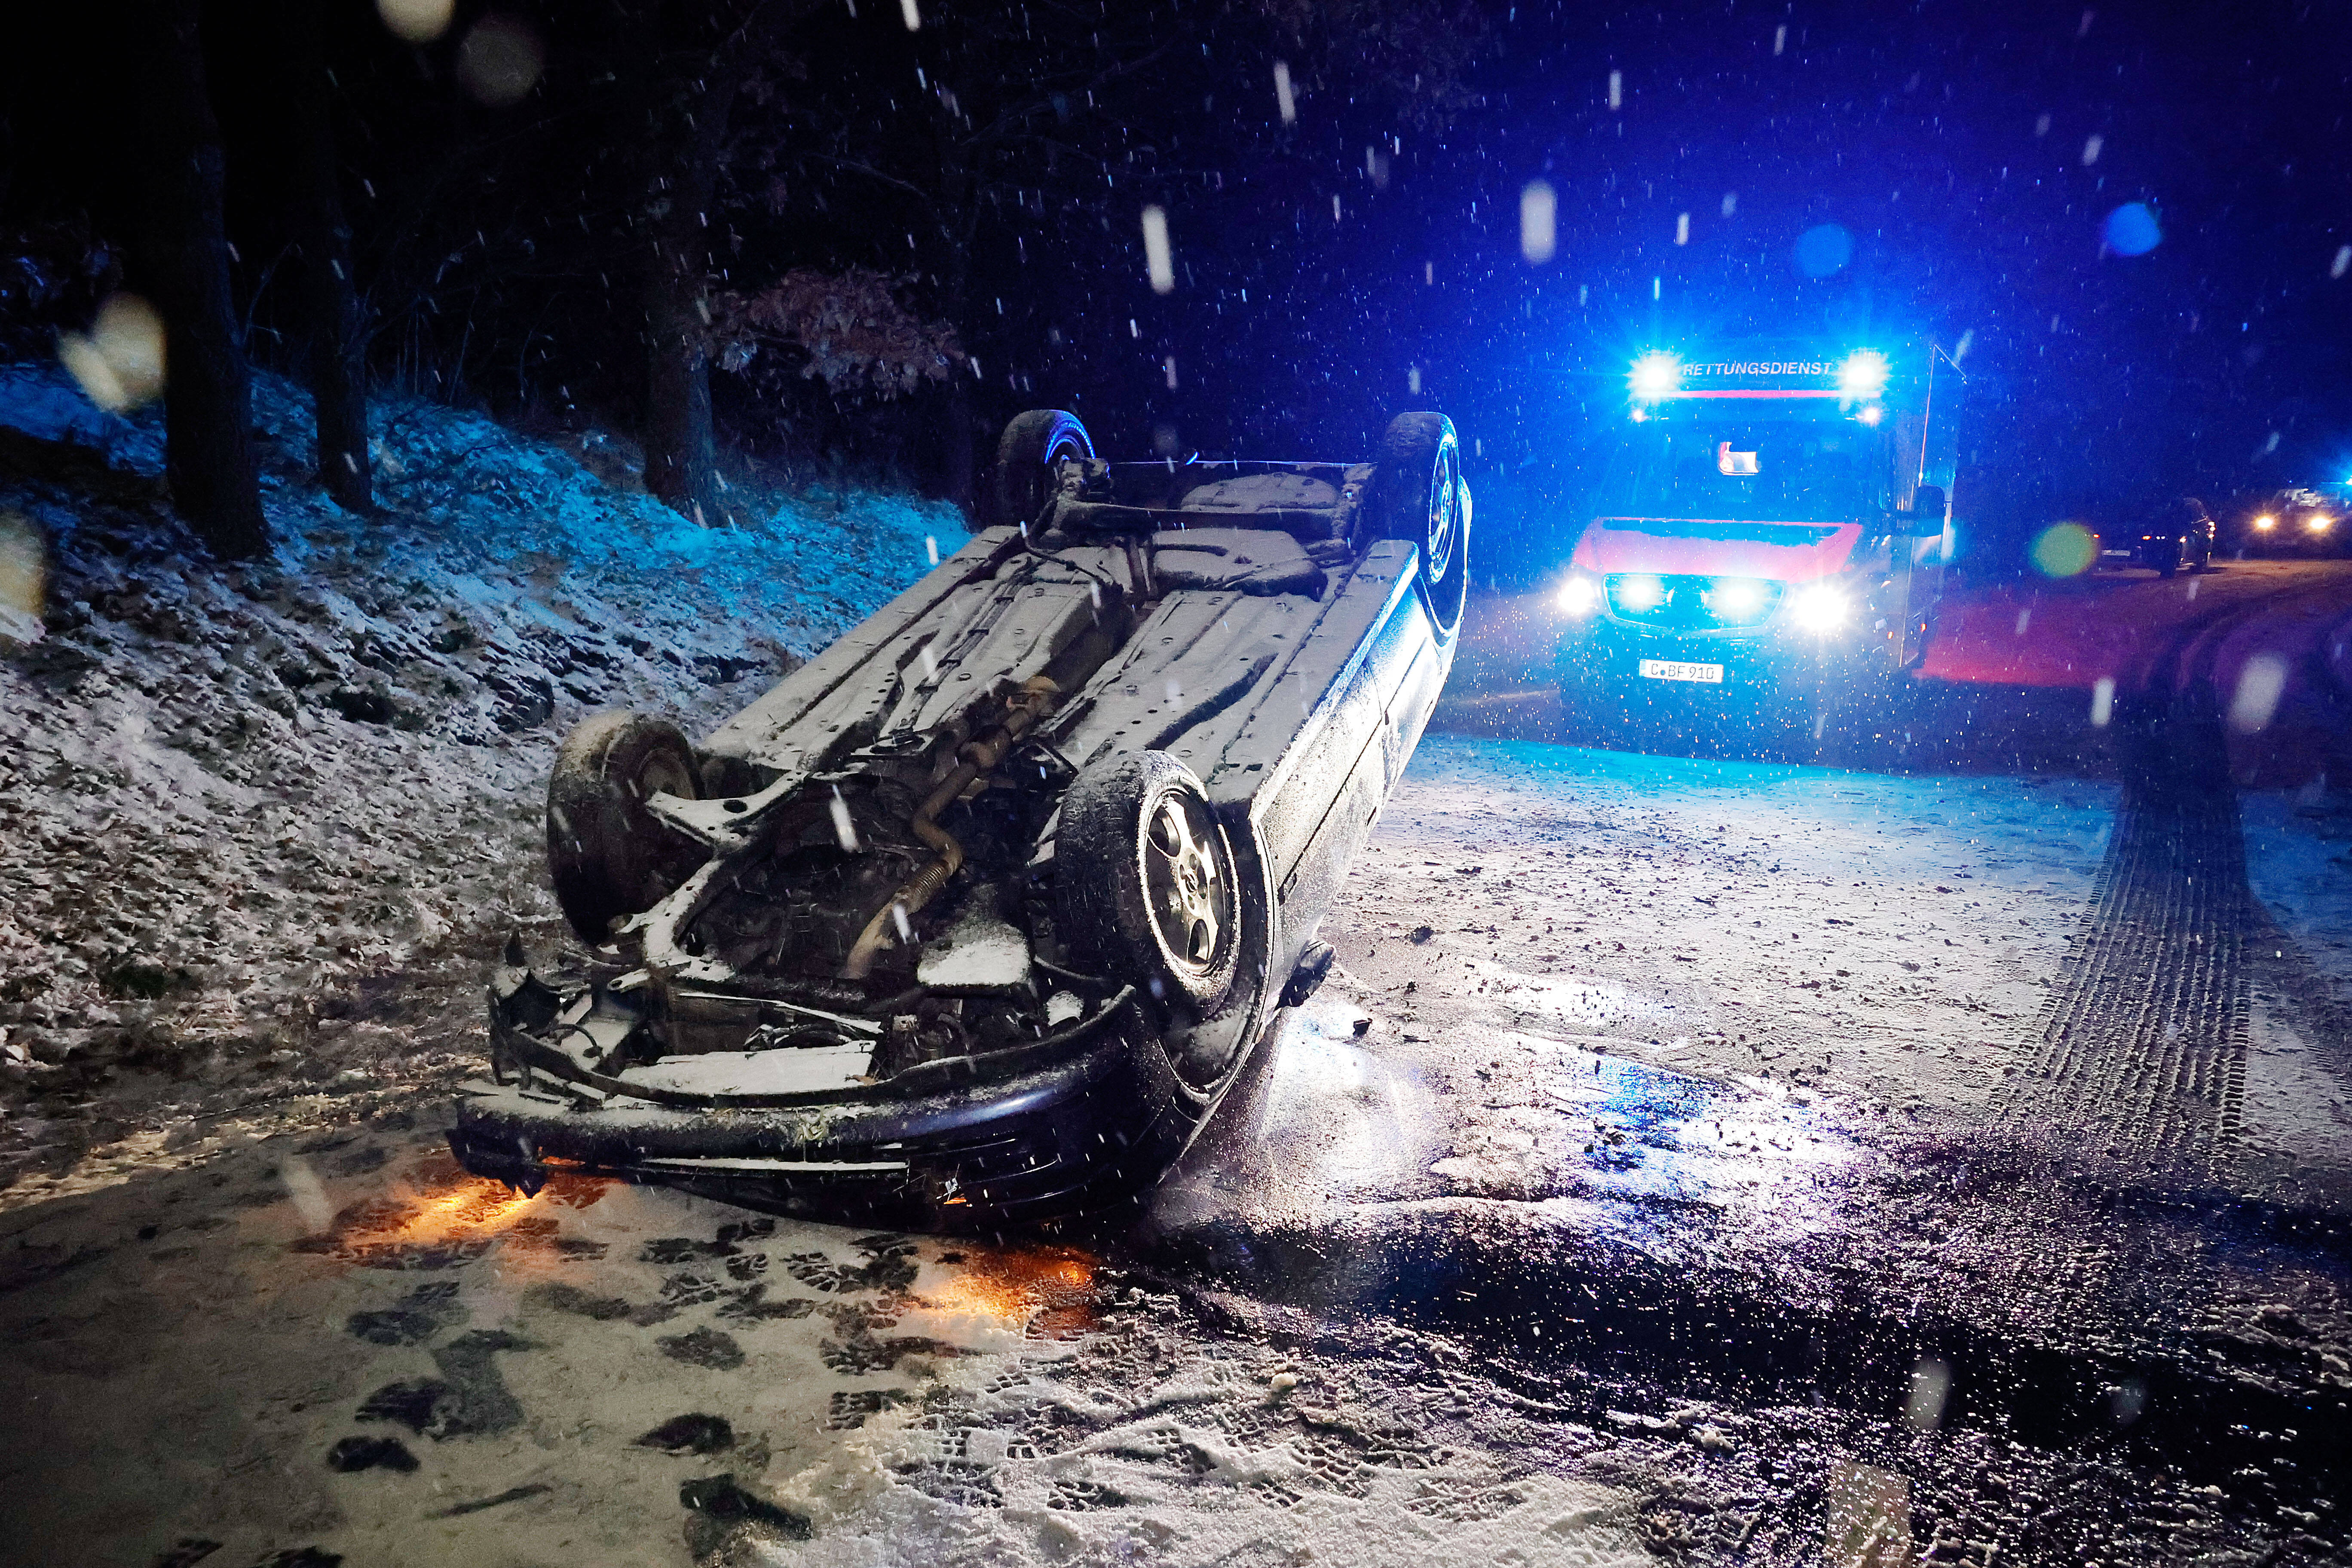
1578	596
1639	594
1736	598
1818	607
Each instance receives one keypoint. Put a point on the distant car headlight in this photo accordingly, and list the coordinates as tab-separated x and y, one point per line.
1578	596
1818	607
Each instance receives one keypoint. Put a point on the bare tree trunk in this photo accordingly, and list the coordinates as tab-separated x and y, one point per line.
958	231
682	175
681	452
959	476
184	246
329	296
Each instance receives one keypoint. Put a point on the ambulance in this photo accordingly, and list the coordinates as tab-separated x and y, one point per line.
1770	532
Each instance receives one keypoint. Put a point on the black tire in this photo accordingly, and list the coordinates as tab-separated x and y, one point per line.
1147	887
1418	496
2175	552
1028	456
607	854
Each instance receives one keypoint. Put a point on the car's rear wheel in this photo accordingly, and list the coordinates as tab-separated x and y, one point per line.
1418	496
1029	459
608	853
2176	551
1148	889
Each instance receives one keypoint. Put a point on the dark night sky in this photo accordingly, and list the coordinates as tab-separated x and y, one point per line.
1953	140
2096	378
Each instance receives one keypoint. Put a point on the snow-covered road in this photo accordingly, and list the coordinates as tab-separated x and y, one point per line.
1936	1148
1616	1199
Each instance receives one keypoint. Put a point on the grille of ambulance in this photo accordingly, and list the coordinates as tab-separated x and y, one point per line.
1693	602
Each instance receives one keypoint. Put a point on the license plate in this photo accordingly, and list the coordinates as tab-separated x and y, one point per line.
1674	670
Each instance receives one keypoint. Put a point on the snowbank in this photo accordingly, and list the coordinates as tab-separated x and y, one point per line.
265	820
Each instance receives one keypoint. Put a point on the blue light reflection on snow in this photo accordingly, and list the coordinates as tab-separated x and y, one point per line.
1659	1143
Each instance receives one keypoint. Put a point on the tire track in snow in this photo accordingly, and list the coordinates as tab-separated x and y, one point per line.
2144	1039
2139	1077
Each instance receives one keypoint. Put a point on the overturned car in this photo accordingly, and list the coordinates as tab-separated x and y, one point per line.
970	920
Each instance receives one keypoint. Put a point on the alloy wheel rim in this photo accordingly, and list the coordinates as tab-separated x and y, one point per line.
1190	893
1445	518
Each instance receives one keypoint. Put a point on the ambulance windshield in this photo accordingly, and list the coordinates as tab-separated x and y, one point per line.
1758	473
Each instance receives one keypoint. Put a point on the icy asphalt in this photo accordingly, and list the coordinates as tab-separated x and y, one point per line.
1691	1159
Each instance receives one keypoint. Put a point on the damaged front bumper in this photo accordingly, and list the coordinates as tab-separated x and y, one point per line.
1070	1123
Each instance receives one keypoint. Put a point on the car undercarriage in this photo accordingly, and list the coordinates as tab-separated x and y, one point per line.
972	918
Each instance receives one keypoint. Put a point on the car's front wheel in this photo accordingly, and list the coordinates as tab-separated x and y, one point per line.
608	853
1148	890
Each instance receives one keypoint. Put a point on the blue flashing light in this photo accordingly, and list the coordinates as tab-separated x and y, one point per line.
1864	374
1656	376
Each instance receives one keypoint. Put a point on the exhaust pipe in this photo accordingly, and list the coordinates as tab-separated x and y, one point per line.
1031	703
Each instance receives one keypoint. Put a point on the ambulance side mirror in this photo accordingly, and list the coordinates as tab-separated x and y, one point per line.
1928	507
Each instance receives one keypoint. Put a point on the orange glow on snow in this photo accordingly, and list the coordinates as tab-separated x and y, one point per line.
1047	1290
442	1214
479	1205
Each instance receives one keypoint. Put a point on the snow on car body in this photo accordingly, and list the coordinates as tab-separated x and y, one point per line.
974	917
